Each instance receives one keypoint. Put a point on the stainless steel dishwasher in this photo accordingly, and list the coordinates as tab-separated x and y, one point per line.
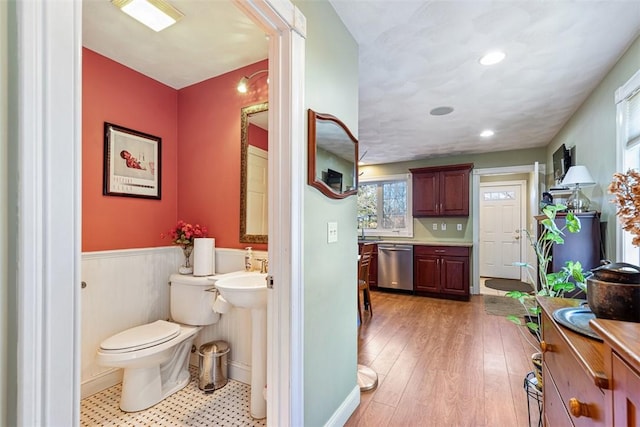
395	266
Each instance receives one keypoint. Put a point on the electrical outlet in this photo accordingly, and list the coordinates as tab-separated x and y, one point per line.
443	226
332	232
435	226
459	227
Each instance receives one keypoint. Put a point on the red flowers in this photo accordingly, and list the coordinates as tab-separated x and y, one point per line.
183	233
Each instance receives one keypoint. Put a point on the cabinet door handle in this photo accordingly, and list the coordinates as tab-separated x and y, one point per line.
544	347
578	409
440	251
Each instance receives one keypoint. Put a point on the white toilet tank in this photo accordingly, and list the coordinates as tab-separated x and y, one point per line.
190	301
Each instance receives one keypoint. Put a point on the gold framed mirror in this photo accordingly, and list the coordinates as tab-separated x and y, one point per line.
253	174
332	157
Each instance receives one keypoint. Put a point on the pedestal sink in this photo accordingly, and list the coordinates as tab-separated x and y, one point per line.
249	290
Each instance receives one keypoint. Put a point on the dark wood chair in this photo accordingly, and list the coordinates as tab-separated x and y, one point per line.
363	279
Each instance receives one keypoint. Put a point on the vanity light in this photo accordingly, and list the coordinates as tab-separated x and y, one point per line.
243	84
155	14
487	133
493	57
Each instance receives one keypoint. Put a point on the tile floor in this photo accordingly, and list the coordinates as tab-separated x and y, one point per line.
227	406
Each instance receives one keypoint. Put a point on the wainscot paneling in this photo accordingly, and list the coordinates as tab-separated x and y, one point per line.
127	288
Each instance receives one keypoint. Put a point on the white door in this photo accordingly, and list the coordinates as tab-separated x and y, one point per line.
500	230
257	190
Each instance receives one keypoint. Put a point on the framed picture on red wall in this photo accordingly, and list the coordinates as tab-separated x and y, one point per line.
132	166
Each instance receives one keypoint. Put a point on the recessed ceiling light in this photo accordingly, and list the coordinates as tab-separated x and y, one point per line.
486	133
493	57
441	111
155	14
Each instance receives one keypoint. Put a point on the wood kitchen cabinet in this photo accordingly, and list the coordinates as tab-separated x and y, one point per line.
575	384
622	365
373	267
441	271
441	191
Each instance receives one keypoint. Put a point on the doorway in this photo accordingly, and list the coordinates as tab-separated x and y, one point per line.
528	178
48	98
501	219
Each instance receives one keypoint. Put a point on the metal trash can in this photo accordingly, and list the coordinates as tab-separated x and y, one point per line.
212	363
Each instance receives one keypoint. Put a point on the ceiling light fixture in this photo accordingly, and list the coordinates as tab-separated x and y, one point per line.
493	57
487	133
155	14
441	111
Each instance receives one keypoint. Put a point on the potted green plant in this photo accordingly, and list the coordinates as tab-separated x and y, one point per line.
552	284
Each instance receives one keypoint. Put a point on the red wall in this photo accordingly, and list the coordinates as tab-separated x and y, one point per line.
258	137
117	94
200	131
209	160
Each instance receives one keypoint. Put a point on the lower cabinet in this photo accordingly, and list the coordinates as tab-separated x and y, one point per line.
441	271
575	386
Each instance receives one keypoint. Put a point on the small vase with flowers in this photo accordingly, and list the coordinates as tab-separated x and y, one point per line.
183	235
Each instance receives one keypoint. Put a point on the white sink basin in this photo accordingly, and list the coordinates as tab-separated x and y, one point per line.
246	290
249	290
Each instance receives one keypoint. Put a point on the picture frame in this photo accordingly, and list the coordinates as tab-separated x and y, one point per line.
132	163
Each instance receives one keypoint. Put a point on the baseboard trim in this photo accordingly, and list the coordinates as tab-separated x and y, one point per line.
344	411
237	372
101	382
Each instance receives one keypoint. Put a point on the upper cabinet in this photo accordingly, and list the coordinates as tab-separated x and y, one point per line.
441	190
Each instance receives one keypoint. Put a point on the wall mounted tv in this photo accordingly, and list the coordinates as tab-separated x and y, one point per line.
561	163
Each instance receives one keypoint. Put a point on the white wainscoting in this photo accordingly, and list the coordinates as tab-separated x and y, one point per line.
127	288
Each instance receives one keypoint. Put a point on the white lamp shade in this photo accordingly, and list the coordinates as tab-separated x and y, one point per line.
578	175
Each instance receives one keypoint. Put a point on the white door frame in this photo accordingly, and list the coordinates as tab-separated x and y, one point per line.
523	215
534	171
48	82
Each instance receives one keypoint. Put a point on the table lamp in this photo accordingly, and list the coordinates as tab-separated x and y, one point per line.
578	177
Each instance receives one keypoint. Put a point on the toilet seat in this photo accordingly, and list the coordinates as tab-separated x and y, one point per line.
141	337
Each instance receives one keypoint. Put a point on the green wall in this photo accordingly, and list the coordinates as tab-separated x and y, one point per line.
4	273
330	307
592	130
423	227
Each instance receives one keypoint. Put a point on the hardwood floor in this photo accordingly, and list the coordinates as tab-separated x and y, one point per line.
442	363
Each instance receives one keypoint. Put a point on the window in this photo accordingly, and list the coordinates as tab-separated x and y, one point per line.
384	206
628	142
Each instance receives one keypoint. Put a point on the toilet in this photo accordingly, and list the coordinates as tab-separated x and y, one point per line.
155	356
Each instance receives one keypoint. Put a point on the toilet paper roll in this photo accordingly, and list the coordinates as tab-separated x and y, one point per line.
204	256
220	305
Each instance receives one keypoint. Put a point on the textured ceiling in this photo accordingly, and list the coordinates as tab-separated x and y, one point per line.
418	55
414	56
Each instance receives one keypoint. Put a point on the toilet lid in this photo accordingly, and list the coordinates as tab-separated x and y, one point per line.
141	337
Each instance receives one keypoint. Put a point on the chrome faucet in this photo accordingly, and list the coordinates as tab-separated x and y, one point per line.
264	265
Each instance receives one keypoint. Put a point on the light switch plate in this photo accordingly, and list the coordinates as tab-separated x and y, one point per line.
459	227
443	226
332	232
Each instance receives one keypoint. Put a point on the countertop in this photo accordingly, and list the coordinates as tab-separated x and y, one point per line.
416	242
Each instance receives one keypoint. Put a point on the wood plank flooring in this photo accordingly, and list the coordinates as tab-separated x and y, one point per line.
442	363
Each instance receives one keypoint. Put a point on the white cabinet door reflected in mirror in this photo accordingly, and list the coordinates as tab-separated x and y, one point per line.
257	186
254	174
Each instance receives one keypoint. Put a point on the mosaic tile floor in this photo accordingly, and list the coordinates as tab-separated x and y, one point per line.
227	406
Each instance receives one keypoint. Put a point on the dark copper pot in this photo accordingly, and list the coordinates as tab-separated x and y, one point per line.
616	301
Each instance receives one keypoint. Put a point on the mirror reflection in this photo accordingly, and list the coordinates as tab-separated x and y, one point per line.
333	154
254	174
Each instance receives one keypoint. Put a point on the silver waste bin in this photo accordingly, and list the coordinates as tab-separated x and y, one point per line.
212	363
